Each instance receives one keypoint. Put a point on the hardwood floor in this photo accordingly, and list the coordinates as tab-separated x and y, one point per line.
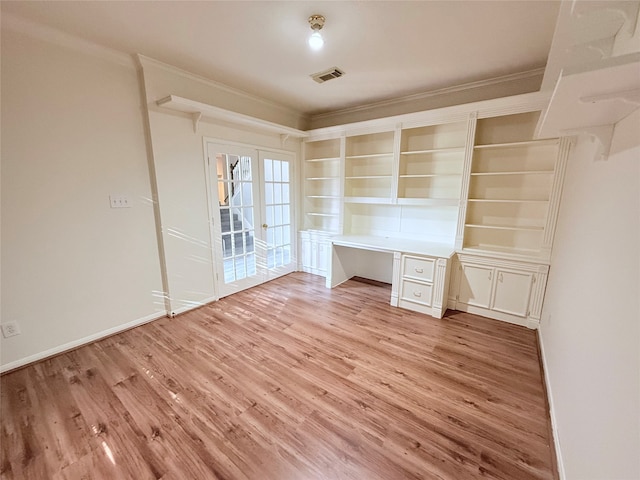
286	381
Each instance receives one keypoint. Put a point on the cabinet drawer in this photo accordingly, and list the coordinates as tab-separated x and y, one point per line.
418	268
416	292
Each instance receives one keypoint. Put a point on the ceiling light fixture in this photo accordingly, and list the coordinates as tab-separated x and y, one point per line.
315	39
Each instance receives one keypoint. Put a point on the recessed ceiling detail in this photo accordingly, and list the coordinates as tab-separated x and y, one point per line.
330	74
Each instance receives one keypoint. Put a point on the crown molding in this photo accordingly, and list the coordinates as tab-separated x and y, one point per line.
145	61
524	102
417	97
55	36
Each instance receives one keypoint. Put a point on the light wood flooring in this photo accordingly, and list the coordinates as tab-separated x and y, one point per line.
286	381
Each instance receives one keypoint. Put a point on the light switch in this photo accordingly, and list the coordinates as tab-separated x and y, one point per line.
119	201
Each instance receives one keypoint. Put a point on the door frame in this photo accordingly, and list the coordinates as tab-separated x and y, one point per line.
214	213
288	157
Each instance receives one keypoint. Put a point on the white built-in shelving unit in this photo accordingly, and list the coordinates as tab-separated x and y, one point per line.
368	168
511	187
431	163
322	185
475	180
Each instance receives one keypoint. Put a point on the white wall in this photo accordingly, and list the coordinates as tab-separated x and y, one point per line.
590	328
72	134
179	165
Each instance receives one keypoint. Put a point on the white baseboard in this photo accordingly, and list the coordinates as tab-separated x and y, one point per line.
552	414
192	306
80	342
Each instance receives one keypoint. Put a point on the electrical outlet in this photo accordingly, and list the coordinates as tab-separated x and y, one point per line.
10	329
119	201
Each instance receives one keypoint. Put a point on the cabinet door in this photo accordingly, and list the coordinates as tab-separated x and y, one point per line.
322	258
512	292
305	247
475	285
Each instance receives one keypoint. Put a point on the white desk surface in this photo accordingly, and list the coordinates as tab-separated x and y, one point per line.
390	244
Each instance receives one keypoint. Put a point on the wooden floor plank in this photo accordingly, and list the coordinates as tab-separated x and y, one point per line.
286	380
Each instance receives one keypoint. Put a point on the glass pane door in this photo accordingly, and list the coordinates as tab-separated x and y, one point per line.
234	229
276	184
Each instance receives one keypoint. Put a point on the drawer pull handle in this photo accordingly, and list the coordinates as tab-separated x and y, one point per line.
418	270
417	294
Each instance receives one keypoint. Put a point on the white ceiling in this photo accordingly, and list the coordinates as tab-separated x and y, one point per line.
388	49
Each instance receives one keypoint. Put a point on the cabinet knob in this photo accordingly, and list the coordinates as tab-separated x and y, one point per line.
418	270
417	294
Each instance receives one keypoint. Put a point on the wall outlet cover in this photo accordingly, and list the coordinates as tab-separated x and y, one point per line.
10	329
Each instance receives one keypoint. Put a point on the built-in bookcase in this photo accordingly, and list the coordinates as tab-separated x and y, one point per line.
511	184
322	185
430	164
482	183
479	183
368	168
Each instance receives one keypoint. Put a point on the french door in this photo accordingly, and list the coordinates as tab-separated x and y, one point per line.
251	215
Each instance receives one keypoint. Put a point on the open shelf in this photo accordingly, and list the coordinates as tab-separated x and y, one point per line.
328	159
517	241
368	166
506	130
532	157
503	187
322	214
443	137
433	150
508	200
322	185
593	95
321	150
510	187
524	172
434	187
370	145
527	253
502	227
435	202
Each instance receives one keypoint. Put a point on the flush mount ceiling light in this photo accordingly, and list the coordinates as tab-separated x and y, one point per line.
315	39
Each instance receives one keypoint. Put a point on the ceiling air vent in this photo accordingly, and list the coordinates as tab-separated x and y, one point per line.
322	77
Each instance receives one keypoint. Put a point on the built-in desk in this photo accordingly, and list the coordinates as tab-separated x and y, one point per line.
420	270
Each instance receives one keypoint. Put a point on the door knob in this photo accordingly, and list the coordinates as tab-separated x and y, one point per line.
265	226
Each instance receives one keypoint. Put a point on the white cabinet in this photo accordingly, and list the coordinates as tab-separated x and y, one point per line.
474	178
314	248
424	283
475	285
512	291
505	290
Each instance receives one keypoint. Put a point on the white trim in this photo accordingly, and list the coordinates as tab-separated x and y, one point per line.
552	415
63	39
200	109
416	97
145	61
525	102
80	342
496	315
193	306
